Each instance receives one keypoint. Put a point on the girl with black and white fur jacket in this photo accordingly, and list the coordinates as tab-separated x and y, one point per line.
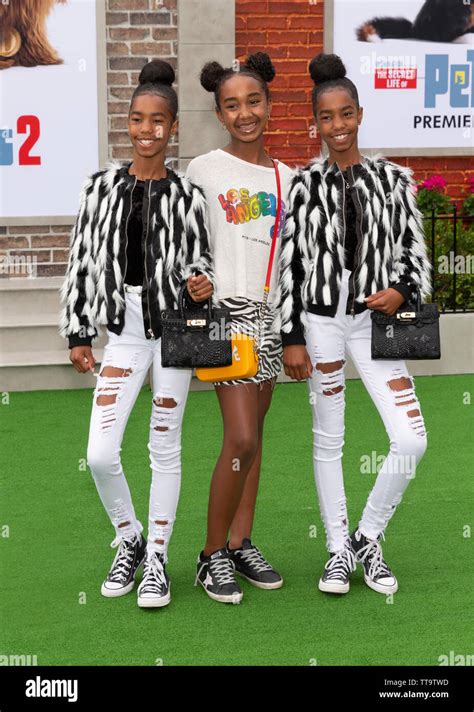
141	234
353	242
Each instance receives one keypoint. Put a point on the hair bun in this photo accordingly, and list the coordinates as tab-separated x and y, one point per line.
157	72
261	63
325	67
211	74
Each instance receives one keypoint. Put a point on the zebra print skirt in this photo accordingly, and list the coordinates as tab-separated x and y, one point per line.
244	319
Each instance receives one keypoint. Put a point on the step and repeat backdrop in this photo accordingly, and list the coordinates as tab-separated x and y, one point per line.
52	54
413	63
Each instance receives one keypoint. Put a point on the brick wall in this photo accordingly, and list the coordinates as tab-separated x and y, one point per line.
137	31
292	33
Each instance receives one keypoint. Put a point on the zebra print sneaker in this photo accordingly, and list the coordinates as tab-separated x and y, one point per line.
377	574
338	568
154	589
129	557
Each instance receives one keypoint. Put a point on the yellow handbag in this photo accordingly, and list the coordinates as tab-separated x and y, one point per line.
244	347
244	362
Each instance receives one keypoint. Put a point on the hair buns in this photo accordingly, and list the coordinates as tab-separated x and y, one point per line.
326	67
157	72
211	74
261	64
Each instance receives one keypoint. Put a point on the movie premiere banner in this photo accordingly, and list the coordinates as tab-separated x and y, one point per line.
49	113
417	94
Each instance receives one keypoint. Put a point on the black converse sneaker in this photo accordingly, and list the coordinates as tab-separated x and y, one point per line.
250	563
377	574
337	571
154	589
121	577
215	573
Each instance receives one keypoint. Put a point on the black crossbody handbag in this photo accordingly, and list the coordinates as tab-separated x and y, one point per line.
411	333
195	338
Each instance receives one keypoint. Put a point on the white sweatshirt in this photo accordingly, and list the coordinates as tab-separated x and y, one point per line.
242	200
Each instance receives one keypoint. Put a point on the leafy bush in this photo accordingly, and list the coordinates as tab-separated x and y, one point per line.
453	268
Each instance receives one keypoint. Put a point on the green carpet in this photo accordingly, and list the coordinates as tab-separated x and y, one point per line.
57	551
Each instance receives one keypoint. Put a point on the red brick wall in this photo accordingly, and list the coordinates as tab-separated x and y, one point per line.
137	31
292	33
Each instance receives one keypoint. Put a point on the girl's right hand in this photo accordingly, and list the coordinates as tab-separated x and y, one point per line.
200	288
82	358
297	363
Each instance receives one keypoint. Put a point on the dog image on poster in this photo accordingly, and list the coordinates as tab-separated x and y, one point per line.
23	34
437	21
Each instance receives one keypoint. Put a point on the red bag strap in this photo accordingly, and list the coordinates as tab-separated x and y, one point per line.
266	289
275	228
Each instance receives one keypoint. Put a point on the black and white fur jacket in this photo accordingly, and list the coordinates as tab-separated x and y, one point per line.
390	251
175	247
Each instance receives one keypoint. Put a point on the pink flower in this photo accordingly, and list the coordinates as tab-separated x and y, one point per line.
434	183
471	184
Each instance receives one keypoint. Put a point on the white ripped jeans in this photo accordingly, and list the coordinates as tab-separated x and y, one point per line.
393	392
127	358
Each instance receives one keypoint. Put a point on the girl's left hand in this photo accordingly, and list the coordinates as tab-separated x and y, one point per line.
386	301
199	288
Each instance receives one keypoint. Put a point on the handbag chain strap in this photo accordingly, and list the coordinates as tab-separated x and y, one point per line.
266	289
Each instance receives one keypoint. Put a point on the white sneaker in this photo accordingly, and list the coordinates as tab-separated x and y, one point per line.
121	577
154	589
377	574
337	571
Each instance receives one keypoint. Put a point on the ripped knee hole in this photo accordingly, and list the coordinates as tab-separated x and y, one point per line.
331	367
162	402
109	398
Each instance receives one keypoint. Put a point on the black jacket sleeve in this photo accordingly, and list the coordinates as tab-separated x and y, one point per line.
406	290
